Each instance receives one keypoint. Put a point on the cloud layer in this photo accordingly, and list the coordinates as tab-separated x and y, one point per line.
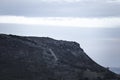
61	8
63	21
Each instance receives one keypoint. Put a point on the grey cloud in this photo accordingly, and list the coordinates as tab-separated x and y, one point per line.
44	9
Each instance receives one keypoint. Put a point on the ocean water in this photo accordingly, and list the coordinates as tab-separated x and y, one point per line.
116	70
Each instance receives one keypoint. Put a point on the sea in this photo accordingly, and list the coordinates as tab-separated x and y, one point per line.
115	69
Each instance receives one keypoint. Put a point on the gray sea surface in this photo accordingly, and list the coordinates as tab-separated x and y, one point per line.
115	69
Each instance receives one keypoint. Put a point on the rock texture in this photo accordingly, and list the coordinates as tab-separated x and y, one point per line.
43	58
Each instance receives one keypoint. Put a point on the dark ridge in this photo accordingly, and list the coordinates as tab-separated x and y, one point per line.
44	58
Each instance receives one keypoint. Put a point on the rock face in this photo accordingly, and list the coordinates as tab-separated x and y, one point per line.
43	58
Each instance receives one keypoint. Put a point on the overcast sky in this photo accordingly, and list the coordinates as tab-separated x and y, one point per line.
95	24
61	8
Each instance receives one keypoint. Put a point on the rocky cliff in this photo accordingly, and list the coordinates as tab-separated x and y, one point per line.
43	58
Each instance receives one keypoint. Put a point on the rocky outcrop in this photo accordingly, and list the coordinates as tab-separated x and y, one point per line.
43	58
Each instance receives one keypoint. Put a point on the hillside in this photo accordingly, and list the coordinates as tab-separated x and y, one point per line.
43	58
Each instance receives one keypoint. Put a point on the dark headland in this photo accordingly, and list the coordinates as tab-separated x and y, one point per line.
43	58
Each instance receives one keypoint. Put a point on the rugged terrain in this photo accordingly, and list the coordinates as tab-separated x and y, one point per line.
43	58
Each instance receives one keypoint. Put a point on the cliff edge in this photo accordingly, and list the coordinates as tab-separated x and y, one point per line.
43	58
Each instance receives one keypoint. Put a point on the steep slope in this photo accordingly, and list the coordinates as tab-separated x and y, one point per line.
43	58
